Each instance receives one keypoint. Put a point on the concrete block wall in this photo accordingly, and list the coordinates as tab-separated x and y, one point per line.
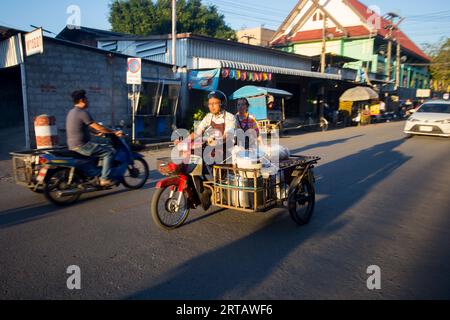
62	69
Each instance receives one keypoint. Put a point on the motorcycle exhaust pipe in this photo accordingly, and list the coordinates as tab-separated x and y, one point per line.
73	192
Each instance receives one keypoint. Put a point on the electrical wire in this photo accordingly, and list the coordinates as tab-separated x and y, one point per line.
261	8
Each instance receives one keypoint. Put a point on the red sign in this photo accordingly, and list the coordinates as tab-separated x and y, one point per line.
134	74
34	42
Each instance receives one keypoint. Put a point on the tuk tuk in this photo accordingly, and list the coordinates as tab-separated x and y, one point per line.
267	105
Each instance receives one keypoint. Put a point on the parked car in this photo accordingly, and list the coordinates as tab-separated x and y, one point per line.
432	118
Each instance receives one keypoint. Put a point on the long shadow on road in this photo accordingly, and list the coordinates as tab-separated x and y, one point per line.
236	268
324	144
25	214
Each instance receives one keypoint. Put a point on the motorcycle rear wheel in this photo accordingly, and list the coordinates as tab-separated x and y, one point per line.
57	181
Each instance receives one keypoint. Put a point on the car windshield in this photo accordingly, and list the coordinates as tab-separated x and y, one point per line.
435	107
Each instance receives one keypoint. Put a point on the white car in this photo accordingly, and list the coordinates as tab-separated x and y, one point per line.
432	118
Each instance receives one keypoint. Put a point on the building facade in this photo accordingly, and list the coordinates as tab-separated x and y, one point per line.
229	65
256	36
350	29
44	83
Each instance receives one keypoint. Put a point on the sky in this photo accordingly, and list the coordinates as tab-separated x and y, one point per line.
426	21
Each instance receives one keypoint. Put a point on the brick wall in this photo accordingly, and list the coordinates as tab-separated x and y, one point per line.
54	75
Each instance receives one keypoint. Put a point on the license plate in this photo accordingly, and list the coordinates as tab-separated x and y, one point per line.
42	174
426	129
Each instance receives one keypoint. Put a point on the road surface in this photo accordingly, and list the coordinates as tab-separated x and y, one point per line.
382	200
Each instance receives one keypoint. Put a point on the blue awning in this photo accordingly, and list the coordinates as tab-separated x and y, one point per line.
253	91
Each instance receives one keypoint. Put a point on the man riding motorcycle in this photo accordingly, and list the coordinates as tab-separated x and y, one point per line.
217	119
79	123
224	124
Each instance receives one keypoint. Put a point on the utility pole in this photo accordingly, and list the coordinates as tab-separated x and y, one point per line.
389	56
174	35
248	37
397	67
324	44
391	28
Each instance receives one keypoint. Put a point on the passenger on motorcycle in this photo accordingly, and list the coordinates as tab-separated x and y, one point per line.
247	122
79	124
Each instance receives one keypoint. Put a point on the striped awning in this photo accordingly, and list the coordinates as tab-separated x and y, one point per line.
211	63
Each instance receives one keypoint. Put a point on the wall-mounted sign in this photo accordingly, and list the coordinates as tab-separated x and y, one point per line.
423	93
34	42
134	73
204	80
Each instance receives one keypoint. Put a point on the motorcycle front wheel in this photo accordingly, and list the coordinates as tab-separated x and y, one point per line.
57	183
136	175
166	211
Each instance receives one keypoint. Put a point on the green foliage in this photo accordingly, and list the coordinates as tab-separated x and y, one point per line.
199	114
440	64
192	116
146	17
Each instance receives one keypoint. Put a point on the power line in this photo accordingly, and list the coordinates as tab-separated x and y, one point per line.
428	14
260	8
250	17
253	13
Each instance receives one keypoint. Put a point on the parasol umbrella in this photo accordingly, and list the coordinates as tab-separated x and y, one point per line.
359	94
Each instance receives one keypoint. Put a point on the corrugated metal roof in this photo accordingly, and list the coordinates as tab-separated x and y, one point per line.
210	41
278	70
200	63
190	48
10	52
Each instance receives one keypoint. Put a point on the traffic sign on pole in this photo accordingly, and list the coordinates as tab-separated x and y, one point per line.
134	73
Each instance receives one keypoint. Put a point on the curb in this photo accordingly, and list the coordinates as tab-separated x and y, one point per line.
157	146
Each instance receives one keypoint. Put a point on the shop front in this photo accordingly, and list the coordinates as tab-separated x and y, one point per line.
307	87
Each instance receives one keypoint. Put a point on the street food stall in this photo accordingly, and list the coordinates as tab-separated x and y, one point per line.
360	104
266	105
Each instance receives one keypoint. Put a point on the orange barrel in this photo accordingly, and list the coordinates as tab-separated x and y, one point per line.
46	132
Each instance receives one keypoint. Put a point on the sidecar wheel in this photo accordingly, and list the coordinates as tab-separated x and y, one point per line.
301	202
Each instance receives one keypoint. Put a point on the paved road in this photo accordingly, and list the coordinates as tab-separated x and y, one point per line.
382	200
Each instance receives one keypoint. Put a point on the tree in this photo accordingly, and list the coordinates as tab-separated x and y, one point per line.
440	64
146	17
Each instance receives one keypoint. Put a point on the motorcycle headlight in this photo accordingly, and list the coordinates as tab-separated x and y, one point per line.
169	168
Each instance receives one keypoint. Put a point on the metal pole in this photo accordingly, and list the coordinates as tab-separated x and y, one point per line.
174	34
133	103
324	43
26	116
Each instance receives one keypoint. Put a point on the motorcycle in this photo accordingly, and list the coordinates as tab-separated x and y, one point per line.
187	187
66	175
